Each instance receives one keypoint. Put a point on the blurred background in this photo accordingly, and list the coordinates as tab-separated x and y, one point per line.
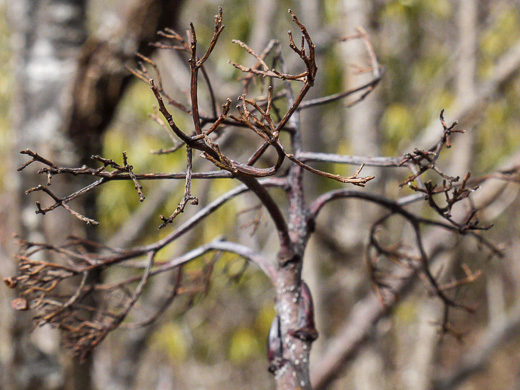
65	93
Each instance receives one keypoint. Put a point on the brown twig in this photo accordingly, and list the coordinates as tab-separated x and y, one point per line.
187	197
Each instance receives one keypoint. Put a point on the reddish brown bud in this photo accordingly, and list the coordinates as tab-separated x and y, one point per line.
20	304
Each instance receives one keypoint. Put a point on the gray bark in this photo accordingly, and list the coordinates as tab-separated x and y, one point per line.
422	360
49	35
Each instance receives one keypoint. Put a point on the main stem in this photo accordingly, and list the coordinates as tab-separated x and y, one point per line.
294	373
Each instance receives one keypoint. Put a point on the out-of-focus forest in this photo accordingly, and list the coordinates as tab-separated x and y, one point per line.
66	92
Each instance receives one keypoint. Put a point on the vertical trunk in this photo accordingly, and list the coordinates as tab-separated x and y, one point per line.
467	19
50	35
426	346
361	130
293	298
264	24
361	121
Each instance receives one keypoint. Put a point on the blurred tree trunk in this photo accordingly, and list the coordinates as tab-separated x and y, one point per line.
362	132
422	362
362	120
264	24
68	86
49	35
467	22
